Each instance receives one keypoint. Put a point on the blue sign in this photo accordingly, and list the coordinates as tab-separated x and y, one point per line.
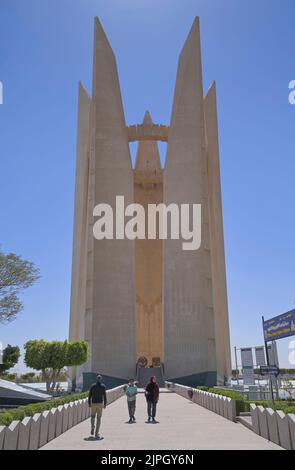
269	370
280	326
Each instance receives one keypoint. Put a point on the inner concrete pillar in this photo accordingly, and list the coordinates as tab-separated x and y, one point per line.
148	189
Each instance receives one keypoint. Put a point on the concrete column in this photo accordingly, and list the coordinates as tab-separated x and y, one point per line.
52	424
263	425
65	417
11	436
71	415
216	239
148	189
254	418
291	419
24	433
59	416
272	424
35	431
79	256
44	428
189	339
111	297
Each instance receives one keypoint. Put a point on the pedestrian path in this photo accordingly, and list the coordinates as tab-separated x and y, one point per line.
182	425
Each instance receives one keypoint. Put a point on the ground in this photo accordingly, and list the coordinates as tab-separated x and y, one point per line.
182	425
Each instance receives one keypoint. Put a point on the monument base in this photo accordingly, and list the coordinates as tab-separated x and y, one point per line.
209	379
89	378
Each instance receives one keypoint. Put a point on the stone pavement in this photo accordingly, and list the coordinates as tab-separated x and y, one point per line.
182	425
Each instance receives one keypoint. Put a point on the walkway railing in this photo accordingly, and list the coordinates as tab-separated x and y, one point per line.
34	432
275	426
224	406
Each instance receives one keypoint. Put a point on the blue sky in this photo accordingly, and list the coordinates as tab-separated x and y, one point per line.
247	47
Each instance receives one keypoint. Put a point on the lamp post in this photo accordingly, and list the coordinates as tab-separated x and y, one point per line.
267	359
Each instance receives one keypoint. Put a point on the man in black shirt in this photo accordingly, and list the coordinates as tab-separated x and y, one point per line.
97	400
152	398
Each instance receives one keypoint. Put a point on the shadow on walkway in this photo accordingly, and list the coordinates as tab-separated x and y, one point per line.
93	438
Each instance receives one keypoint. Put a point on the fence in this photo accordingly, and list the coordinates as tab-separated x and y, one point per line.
273	425
224	406
34	432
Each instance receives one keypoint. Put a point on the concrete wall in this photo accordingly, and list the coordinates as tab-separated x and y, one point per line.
34	432
273	425
224	406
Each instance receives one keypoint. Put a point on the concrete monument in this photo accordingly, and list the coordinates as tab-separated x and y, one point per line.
149	301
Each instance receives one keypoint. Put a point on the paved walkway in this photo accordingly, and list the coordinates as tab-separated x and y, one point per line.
182	425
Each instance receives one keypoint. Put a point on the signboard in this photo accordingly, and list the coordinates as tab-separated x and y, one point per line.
260	356
247	365
280	326
269	370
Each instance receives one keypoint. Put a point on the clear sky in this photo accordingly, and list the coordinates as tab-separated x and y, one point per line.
247	47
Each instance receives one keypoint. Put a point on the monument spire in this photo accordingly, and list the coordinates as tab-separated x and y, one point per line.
147	156
216	236
110	262
185	181
106	96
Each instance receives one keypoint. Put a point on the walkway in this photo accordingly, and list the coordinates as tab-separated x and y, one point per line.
182	425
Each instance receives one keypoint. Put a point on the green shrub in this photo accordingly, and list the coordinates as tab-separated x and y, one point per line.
18	413
10	377
27	377
286	407
203	388
6	417
238	397
289	409
243	405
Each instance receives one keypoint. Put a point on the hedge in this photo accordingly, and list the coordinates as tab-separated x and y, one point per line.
243	405
6	417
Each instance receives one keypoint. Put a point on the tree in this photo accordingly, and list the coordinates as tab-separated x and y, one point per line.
10	357
52	356
16	274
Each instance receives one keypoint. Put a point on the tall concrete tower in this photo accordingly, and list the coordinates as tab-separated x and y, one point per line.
149	298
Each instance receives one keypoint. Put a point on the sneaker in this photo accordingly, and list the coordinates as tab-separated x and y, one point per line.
133	418
92	432
154	420
97	436
149	419
130	420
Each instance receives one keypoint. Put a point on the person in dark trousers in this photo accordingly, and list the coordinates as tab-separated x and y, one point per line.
97	400
131	393
152	398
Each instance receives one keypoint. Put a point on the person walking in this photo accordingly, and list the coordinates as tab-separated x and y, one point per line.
152	398
97	400
131	393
